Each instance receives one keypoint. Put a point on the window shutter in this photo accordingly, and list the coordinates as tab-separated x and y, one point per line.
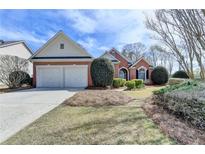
136	74
147	74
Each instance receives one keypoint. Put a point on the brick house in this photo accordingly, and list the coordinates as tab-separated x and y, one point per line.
61	63
123	68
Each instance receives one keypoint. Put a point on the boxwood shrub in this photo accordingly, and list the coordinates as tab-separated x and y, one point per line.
123	81
159	75
180	74
118	82
102	72
138	83
130	84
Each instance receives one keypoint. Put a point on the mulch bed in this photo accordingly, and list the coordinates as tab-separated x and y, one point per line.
6	90
98	98
176	128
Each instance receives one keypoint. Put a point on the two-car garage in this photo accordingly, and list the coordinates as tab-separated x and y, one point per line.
61	63
61	76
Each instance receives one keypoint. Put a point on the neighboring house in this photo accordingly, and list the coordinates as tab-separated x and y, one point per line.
61	63
123	68
16	48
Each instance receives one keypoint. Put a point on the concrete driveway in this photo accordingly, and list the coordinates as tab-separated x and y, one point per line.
18	109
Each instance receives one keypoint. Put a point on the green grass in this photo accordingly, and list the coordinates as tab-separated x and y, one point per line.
141	94
90	125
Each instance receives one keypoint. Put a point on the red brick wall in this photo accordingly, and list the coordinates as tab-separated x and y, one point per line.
123	62
132	74
142	62
62	63
116	70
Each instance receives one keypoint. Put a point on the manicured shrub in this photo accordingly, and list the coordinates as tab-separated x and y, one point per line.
138	83
130	84
159	75
102	72
185	100
123	81
117	82
17	78
180	74
173	81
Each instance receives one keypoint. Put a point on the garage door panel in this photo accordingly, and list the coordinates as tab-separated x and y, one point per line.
50	77
76	76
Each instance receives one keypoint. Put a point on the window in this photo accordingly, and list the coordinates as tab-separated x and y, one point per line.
141	74
61	46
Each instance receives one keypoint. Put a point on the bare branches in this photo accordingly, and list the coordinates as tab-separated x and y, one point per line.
183	32
10	64
158	55
133	51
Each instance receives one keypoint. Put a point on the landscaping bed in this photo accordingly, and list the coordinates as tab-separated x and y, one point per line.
98	98
186	100
180	111
175	127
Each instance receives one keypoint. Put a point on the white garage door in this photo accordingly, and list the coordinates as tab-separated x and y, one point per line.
76	76
62	76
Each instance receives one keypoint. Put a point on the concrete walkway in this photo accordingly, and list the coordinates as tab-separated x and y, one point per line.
18	109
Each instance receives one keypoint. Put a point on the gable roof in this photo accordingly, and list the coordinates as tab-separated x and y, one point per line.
115	50
59	33
6	43
112	58
10	43
142	58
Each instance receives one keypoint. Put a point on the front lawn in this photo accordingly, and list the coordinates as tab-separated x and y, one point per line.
124	124
141	94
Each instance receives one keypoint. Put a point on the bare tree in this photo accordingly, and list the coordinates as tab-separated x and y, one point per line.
190	25
173	39
133	51
158	55
10	64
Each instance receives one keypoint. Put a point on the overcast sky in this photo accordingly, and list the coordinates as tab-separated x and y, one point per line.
96	30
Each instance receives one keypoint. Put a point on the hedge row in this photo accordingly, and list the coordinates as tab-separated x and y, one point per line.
182	86
185	100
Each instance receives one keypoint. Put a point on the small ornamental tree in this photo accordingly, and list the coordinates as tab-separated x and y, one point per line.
180	74
159	75
102	72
